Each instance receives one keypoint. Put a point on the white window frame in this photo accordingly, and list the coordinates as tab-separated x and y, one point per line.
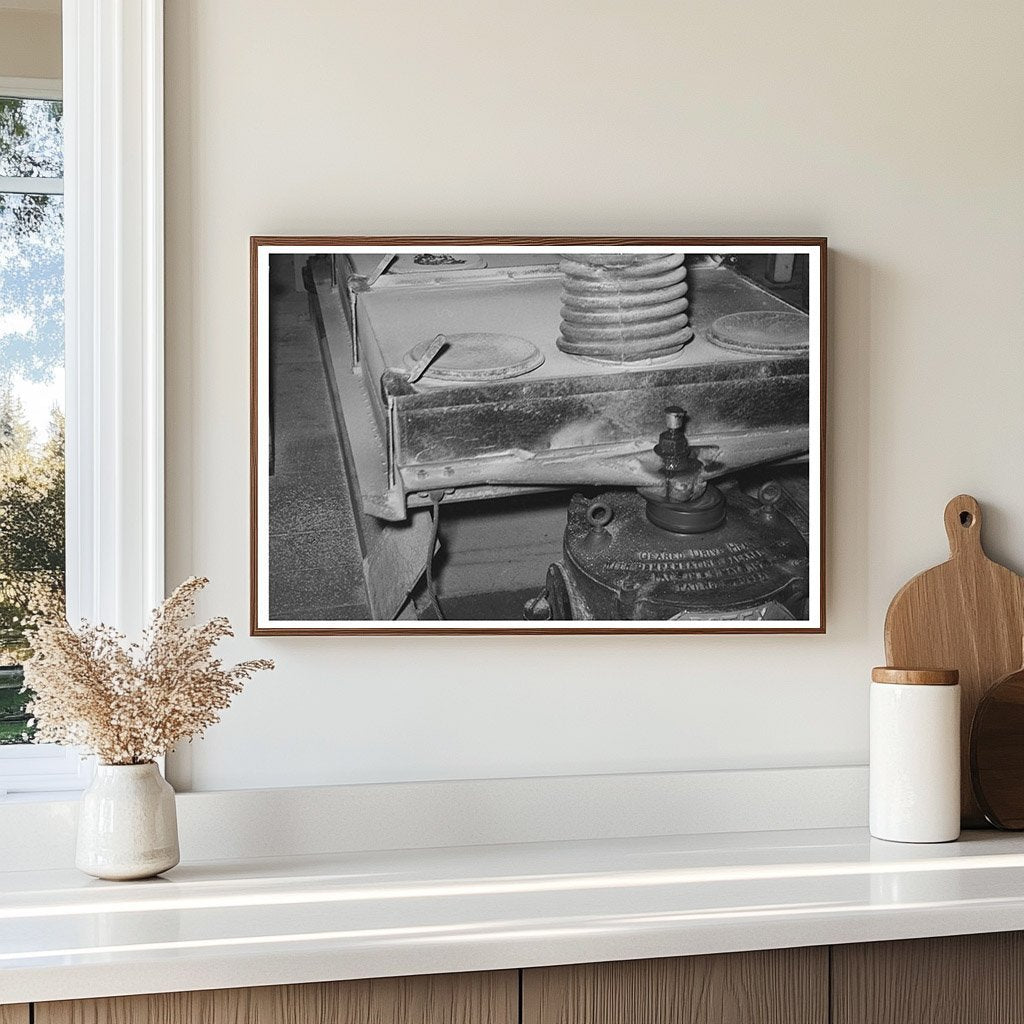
114	325
32	88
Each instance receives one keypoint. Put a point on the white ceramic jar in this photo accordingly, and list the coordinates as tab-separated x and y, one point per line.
915	755
127	823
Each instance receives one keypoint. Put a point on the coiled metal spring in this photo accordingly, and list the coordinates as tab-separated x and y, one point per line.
622	307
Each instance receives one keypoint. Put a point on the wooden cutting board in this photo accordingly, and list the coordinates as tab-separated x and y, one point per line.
967	614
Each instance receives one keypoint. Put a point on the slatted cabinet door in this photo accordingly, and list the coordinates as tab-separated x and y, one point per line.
14	1014
962	979
779	986
482	998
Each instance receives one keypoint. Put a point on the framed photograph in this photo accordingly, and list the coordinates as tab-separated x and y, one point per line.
537	435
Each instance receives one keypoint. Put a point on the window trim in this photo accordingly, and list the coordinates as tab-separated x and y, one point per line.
42	768
32	88
114	270
31	186
114	323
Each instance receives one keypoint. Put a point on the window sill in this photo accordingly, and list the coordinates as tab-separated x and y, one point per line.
42	771
41	797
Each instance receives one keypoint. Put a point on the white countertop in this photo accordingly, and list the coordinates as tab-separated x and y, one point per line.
355	915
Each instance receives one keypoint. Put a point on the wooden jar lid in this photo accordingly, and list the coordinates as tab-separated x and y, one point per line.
916	676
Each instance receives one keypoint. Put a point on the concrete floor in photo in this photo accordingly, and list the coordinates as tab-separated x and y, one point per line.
315	563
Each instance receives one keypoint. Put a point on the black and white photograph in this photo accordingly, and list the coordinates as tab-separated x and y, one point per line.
537	435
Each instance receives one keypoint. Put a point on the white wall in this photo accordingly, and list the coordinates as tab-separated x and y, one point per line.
895	129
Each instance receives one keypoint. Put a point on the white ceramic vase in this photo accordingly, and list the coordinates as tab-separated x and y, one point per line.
127	825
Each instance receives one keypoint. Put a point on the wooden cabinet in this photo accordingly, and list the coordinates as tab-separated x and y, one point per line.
963	979
491	998
778	986
970	979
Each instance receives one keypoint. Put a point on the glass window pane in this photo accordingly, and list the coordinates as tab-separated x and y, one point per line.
13	720
31	431
31	138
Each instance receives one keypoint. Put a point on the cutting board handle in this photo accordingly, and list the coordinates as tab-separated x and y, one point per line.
963	526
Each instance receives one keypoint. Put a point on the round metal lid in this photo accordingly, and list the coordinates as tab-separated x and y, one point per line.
470	358
762	332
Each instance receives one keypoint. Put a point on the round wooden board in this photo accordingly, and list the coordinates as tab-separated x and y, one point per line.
997	752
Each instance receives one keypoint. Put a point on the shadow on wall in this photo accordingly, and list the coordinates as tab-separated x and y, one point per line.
849	417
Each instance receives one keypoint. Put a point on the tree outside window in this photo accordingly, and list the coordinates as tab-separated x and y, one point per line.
31	386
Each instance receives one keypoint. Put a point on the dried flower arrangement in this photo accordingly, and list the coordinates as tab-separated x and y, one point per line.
130	703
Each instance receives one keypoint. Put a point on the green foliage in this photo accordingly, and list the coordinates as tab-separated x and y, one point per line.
31	544
31	143
13	719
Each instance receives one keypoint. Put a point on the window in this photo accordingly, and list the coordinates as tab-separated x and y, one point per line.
31	382
32	531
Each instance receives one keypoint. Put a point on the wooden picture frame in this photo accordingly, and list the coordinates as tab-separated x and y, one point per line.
410	452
